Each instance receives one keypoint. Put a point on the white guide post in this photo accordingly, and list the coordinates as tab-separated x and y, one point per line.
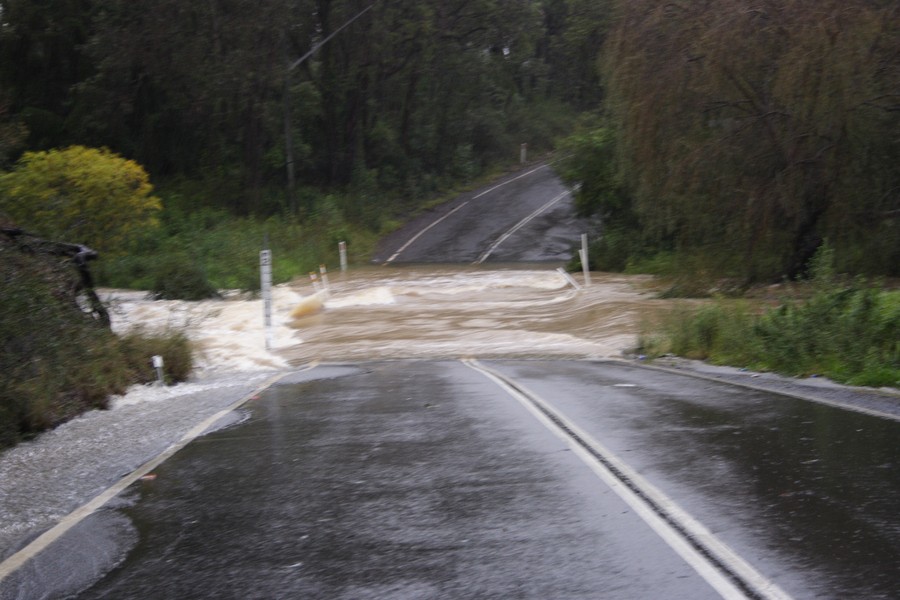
325	284
342	250
265	280
158	365
584	260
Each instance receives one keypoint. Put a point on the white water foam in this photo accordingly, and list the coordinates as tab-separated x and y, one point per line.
229	334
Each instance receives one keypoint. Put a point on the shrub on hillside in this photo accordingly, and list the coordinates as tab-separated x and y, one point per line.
57	361
177	277
849	334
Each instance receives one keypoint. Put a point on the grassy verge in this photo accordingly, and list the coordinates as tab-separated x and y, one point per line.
195	254
57	361
849	333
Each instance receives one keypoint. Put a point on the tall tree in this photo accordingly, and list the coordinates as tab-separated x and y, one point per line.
41	58
752	130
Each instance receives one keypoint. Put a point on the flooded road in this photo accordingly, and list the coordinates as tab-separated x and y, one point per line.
433	479
386	463
453	312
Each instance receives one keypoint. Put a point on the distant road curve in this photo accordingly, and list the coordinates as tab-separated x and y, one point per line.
527	216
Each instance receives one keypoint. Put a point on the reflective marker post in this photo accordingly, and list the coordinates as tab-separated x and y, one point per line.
265	280
584	260
342	251
158	365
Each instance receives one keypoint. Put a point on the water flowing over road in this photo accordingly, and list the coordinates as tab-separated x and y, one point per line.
457	421
435	312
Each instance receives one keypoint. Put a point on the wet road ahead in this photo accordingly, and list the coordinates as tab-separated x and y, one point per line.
538	479
525	217
443	480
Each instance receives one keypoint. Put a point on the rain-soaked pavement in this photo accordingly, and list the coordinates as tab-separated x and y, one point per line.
806	492
424	479
421	477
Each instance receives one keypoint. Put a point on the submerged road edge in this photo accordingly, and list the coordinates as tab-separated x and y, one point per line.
726	572
20	558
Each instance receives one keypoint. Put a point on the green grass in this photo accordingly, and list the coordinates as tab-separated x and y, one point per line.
57	362
850	334
194	254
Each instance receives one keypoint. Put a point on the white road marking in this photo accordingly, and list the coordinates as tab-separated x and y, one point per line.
518	226
17	560
516	178
800	395
394	256
418	235
581	442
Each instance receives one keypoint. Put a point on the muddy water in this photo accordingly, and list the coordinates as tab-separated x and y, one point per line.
453	312
405	312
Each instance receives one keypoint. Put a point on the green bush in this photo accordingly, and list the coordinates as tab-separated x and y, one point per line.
57	361
849	334
177	277
139	346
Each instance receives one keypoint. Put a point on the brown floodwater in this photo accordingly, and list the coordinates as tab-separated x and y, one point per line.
438	311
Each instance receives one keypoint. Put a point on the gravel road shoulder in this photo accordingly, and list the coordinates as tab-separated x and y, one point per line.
44	479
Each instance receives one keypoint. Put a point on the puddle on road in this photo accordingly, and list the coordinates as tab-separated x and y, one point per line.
453	312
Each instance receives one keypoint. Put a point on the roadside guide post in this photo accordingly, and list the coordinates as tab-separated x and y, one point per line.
342	250
324	277
265	270
158	365
523	153
583	253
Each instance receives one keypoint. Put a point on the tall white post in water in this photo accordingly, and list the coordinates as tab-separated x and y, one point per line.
324	273
265	280
342	250
584	260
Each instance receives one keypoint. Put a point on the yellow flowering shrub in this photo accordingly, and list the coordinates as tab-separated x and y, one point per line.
80	195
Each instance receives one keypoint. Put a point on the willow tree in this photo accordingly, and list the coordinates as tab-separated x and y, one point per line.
751	130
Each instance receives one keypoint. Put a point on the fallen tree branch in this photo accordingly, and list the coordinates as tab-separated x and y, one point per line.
78	253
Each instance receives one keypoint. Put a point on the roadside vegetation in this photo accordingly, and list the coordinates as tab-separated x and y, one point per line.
718	146
845	329
56	358
735	138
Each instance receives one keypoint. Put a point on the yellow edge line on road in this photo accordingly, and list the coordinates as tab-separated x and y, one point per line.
17	560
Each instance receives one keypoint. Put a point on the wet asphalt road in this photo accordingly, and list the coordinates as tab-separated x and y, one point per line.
427	480
527	216
424	479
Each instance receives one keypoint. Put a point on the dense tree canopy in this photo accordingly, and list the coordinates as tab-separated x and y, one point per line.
745	131
411	91
752	130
